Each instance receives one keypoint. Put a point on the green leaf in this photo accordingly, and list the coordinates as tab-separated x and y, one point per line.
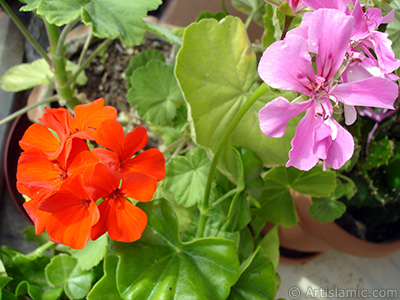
216	69
164	32
276	202
141	60
326	209
270	245
92	254
257	281
393	29
64	270
25	76
29	278
31	236
160	266
186	177
30	5
153	92
109	18
106	287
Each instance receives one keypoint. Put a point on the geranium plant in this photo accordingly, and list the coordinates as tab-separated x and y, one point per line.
185	220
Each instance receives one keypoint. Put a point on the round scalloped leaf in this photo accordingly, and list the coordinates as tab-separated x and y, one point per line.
153	92
186	177
109	18
160	266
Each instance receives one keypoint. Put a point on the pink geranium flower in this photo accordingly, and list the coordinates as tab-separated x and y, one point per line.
288	65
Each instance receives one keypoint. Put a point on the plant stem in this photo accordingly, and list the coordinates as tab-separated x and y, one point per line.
26	109
250	18
205	208
88	61
40	250
286	26
64	91
224	7
25	32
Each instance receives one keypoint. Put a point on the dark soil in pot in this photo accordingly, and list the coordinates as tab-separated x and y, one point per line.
354	222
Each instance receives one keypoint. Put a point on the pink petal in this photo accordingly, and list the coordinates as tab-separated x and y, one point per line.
322	140
337	4
341	150
360	24
384	52
274	116
329	32
287	65
302	156
374	92
350	114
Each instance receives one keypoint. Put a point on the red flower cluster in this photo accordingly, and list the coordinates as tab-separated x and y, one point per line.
77	193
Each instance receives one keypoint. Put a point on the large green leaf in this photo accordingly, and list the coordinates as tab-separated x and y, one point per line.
64	270
276	202
106	287
186	177
153	92
257	280
109	18
160	266
216	68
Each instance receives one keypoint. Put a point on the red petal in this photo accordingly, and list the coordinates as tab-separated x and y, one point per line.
138	186
38	173
107	157
150	162
101	181
38	136
124	221
38	217
133	142
71	219
57	119
110	135
88	117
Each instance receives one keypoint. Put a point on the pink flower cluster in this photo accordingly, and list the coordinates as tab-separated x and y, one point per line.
338	59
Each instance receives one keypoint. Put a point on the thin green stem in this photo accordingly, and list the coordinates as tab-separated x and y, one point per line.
84	51
174	144
63	36
40	250
25	32
26	109
89	60
205	208
224	7
250	18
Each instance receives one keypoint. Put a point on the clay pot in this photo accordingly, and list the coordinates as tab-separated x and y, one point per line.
311	236
11	152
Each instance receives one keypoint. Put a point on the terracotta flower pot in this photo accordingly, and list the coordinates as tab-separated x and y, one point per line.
313	236
11	152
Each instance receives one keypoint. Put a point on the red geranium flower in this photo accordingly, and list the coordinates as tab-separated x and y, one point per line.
120	150
119	217
71	214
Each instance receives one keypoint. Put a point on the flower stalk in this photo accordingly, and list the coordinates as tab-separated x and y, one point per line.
205	208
